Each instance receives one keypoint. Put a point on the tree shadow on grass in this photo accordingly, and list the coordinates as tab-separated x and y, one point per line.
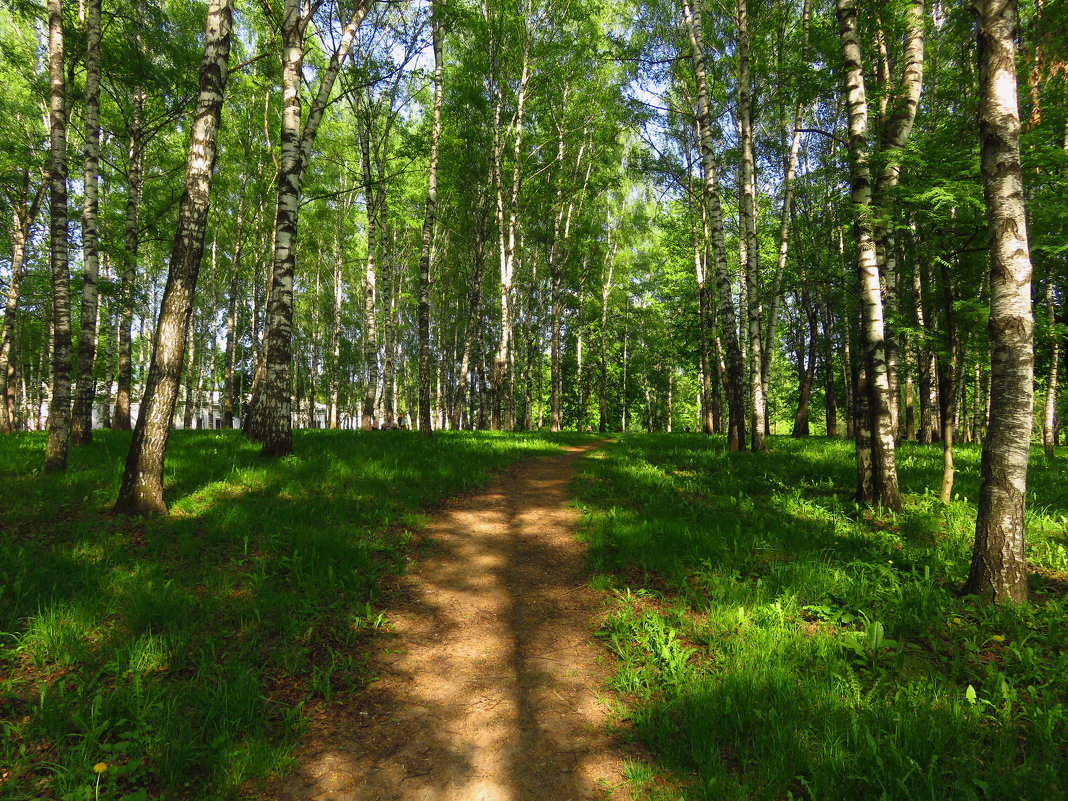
185	652
786	591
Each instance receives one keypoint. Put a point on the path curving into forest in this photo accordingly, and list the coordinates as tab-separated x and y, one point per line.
490	681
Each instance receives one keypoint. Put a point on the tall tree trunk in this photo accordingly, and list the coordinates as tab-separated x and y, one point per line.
948	386
373	199
230	358
705	325
910	407
142	481
474	311
829	387
877	453
85	391
748	212
109	362
556	300
928	431
623	416
131	246
59	412
276	432
784	225
670	400
888	274
274	407
336	296
504	402
209	385
426	253
735	367
606	291
999	564
807	372
190	372
717	367
1050	409
22	219
389	341
583	385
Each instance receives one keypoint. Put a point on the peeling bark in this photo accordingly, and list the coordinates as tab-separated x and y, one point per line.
999	563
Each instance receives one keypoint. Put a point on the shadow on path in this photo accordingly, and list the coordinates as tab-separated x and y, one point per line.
489	682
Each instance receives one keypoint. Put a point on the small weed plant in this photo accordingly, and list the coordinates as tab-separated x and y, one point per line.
776	641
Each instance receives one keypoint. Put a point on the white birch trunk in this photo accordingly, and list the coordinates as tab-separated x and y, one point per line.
735	367
141	491
85	391
131	247
876	455
22	219
275	408
999	563
59	404
748	212
426	252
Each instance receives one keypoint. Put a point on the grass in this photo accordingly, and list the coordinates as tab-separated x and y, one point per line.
775	641
186	653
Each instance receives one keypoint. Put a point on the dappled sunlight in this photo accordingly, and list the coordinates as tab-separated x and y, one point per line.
774	637
487	683
199	642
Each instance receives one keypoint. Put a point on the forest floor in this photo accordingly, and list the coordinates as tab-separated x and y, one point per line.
489	682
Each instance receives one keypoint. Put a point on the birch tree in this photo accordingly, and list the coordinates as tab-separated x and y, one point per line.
141	491
748	213
876	466
23	215
276	429
427	250
85	390
735	370
999	563
59	403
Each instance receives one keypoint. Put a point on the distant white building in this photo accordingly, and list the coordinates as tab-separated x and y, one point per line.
206	415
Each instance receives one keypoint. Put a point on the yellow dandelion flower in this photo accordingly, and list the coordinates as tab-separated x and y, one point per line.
956	621
100	767
998	638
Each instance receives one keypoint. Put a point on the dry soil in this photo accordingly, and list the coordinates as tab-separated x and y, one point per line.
491	686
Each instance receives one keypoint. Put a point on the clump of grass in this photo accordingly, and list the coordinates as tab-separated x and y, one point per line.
774	640
185	653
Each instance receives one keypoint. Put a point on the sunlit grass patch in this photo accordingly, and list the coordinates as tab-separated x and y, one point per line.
775	640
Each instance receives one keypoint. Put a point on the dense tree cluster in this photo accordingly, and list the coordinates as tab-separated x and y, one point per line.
598	215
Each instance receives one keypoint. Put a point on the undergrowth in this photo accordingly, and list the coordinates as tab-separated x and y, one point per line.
182	656
776	641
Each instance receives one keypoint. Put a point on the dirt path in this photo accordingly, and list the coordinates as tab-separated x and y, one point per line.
489	684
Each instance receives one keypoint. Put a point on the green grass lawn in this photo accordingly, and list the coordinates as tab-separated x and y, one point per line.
775	641
186	652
